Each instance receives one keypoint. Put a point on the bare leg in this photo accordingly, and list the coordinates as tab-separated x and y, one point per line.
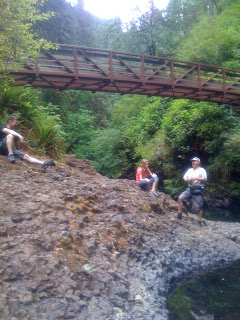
9	143
154	186
200	214
180	205
32	160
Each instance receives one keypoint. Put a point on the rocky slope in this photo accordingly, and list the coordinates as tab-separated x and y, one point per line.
77	245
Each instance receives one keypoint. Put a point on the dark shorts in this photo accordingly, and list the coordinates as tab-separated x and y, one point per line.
4	150
144	184
3	147
195	200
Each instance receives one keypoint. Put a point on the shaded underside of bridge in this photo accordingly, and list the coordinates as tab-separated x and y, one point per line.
72	67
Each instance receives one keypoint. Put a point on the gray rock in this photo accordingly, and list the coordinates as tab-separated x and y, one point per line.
71	217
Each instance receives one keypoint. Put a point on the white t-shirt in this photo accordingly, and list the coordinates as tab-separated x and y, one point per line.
197	173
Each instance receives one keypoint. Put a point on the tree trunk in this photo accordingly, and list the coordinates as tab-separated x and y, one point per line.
210	8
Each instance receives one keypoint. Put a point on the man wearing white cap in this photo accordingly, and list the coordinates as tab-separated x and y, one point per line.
195	177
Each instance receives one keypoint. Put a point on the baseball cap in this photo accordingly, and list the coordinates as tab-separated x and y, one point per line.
195	159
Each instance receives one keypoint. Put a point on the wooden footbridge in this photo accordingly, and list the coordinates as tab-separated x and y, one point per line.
81	68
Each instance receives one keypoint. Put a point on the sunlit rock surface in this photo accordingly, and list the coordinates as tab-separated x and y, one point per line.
77	245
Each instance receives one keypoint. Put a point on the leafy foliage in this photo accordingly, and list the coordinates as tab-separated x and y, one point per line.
109	153
180	306
16	24
79	131
148	31
202	129
214	40
41	129
140	119
58	28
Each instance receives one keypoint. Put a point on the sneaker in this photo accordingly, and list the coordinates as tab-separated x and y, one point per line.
11	158
154	193
47	163
199	223
179	216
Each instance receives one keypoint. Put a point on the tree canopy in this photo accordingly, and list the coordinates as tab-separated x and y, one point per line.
17	38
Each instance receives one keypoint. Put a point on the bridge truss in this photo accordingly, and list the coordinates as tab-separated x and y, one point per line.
80	68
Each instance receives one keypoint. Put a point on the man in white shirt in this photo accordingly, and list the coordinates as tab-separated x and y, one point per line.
196	176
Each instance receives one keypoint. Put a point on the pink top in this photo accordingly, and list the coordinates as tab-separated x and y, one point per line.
142	172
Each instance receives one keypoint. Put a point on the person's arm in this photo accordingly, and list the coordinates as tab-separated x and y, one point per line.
185	177
198	179
202	179
150	173
14	133
194	179
141	178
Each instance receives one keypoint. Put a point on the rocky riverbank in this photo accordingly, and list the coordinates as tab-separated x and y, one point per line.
77	245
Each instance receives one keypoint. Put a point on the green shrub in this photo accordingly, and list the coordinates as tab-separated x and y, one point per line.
110	156
40	128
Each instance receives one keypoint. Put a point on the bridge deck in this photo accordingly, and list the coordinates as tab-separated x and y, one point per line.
80	68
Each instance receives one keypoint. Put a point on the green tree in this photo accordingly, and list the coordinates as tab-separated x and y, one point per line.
203	129
58	29
79	131
214	40
17	39
110	156
111	35
140	119
145	35
77	122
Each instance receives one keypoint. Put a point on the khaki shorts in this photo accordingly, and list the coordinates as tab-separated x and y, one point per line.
195	200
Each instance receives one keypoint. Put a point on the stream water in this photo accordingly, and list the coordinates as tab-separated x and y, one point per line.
214	295
223	215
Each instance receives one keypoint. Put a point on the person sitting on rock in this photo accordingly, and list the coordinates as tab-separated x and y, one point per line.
7	138
141	178
196	176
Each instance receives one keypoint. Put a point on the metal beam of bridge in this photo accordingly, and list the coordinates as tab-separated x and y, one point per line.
81	68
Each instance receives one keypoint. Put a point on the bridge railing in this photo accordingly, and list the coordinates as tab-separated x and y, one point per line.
74	67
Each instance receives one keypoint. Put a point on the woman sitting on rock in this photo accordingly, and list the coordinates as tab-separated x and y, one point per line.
141	178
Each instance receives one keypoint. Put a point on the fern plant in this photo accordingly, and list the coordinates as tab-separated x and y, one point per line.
41	129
